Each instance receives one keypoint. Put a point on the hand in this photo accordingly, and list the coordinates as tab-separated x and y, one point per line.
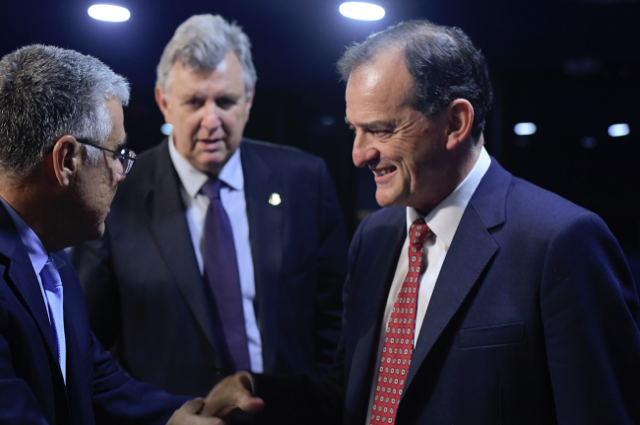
233	392
188	415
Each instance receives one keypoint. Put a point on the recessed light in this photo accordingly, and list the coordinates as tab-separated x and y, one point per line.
618	130
106	12
166	129
525	128
362	11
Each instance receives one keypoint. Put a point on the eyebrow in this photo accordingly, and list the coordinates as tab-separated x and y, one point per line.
374	125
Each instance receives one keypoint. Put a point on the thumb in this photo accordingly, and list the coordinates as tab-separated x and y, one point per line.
233	392
193	406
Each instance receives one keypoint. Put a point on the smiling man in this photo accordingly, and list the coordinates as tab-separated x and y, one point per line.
473	297
221	253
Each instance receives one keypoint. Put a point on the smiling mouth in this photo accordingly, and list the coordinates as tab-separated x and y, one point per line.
384	171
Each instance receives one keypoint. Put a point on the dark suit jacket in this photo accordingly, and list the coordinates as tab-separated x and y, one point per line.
531	321
144	289
32	389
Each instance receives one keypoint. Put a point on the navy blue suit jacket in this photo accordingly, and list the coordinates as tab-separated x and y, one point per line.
144	289
32	389
531	322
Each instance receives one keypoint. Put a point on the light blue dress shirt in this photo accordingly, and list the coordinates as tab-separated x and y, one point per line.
39	257
234	203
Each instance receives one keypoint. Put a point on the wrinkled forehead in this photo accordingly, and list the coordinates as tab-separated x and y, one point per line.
384	78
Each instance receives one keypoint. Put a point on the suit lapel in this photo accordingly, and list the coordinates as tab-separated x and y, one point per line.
471	251
265	234
375	276
23	276
25	281
168	225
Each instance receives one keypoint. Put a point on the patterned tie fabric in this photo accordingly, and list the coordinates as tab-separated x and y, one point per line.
399	337
53	291
221	271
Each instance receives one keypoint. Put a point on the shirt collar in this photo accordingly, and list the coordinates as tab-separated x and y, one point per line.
37	254
444	219
193	179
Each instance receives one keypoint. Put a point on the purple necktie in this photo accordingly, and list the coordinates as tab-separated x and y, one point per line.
221	272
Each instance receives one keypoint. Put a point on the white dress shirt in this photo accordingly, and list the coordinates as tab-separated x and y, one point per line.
233	201
443	221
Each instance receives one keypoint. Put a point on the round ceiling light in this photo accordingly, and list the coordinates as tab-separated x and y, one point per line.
362	11
105	12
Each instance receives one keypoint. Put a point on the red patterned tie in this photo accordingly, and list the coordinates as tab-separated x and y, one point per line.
398	340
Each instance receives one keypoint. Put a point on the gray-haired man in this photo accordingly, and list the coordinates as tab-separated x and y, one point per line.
181	285
62	157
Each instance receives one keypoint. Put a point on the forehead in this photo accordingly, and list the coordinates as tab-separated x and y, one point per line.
227	76
118	134
379	86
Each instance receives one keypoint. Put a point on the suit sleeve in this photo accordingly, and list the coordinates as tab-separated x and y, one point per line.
332	268
588	304
92	261
18	404
120	399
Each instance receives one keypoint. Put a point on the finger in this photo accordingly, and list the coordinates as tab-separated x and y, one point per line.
193	406
249	403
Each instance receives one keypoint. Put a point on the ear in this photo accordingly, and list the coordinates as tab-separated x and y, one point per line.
460	118
248	104
161	100
66	157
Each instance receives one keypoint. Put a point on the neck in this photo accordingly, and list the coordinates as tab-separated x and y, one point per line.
35	206
462	162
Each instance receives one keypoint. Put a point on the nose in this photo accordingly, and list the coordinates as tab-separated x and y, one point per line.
363	151
211	118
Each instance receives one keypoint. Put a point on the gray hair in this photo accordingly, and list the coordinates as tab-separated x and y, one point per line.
443	61
202	41
46	93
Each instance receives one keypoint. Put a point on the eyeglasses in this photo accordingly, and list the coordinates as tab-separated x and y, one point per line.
126	157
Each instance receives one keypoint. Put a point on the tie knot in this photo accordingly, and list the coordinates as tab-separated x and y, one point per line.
419	232
50	276
211	188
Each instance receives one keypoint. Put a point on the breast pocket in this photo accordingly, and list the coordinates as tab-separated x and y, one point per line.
487	336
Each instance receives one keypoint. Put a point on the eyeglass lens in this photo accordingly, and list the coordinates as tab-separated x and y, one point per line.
126	159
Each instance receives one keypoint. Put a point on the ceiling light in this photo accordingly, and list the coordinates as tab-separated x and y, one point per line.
362	11
619	130
105	12
525	128
166	129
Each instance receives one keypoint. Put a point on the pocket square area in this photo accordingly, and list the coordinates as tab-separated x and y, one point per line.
485	336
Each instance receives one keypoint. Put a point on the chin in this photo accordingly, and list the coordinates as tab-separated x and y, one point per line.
386	199
95	233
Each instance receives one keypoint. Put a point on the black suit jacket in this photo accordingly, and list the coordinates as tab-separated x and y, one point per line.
144	289
32	389
531	322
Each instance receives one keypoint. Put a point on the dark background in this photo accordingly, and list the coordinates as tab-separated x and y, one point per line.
572	67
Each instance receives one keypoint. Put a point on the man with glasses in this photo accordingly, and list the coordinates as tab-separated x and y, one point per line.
221	253
61	160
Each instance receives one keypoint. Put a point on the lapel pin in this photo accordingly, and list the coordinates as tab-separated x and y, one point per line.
274	199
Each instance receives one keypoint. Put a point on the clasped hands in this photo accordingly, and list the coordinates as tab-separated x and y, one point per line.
233	392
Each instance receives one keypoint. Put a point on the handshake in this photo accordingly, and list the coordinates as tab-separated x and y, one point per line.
233	392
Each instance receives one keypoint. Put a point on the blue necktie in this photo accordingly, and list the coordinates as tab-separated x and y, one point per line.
53	290
221	271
